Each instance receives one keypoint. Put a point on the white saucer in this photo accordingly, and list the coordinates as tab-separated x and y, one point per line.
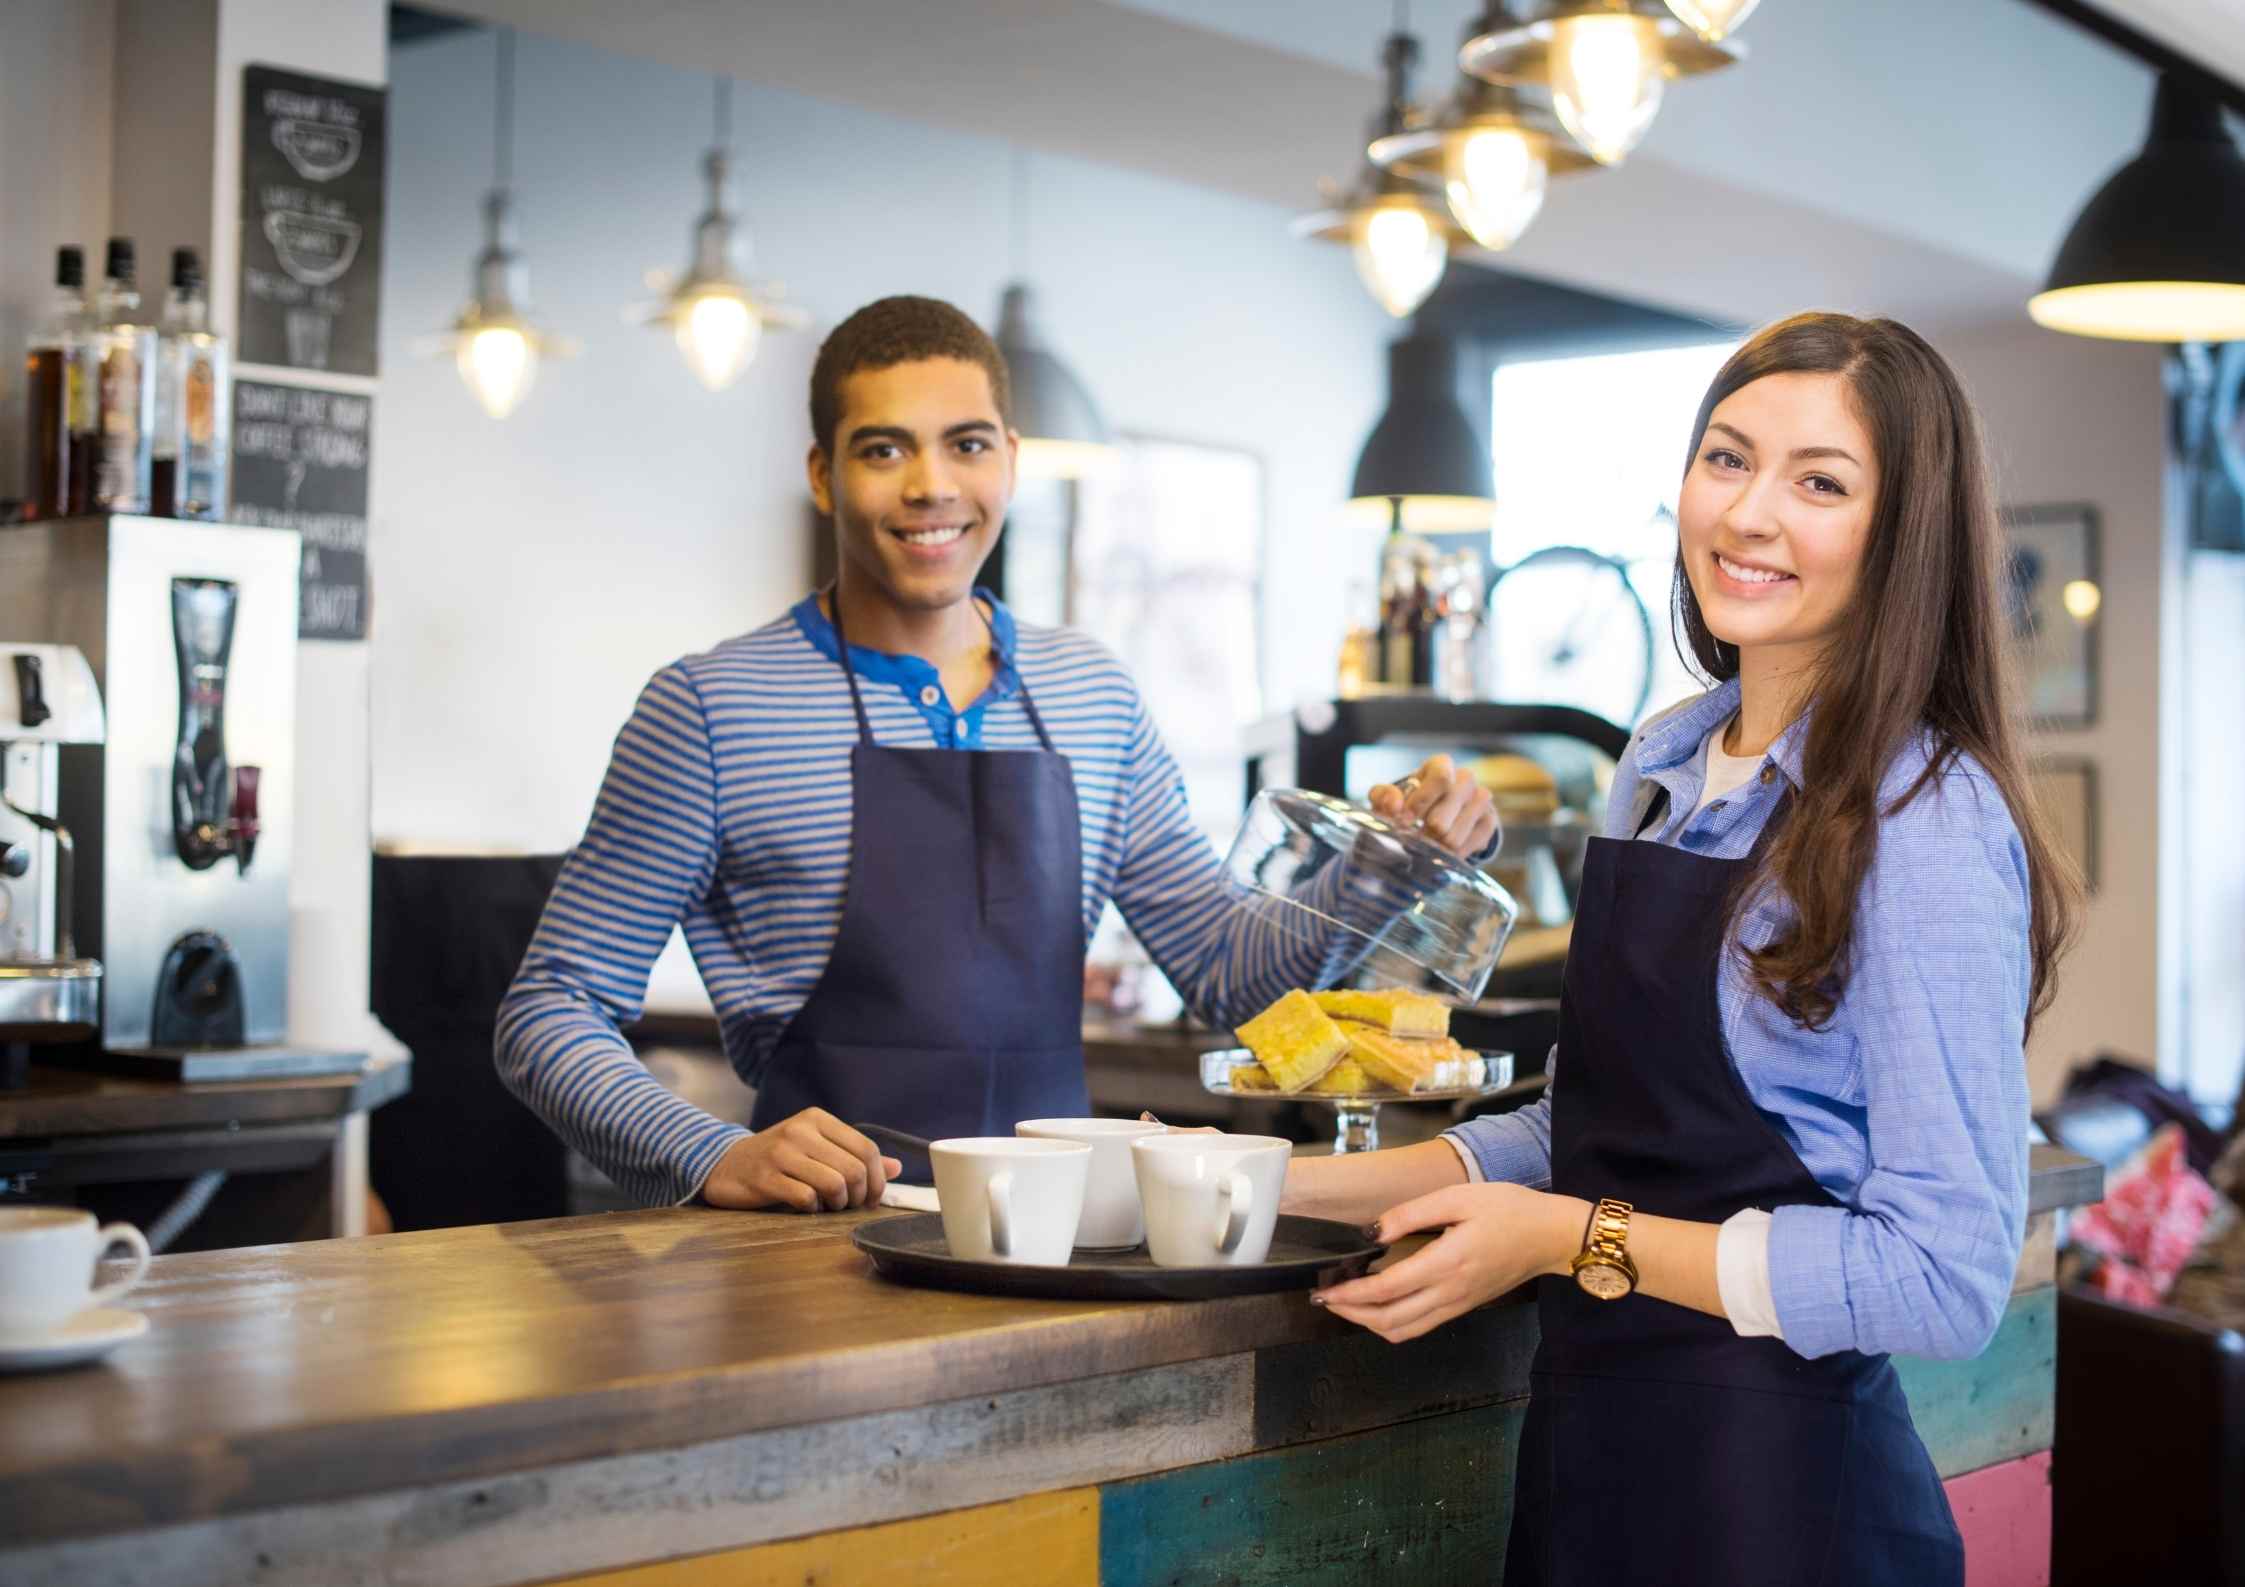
83	1338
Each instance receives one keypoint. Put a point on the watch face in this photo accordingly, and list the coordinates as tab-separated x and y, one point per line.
1603	1280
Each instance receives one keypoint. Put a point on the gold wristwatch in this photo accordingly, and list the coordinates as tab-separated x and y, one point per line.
1603	1268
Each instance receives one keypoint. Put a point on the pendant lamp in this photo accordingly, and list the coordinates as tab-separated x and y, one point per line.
1424	467
493	343
1398	230
1492	148
1606	63
1063	434
2158	255
716	318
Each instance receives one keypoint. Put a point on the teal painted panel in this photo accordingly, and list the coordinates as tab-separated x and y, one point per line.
1423	1502
1998	1406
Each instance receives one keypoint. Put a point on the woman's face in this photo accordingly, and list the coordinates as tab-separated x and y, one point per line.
1776	512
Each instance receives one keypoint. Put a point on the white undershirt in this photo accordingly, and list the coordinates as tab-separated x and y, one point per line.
1742	1246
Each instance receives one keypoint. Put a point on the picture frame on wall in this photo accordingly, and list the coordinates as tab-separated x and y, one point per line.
2066	789
2053	599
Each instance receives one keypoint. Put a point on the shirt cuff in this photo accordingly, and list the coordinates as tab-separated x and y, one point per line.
1742	1274
1808	1279
1504	1149
705	1163
1465	1155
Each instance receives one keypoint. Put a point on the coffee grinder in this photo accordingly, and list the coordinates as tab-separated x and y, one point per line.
50	997
182	827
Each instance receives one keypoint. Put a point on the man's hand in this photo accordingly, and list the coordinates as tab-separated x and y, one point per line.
1444	803
812	1162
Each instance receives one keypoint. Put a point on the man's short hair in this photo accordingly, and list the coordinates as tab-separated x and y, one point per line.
899	330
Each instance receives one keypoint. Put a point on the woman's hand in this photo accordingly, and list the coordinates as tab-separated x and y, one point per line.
1495	1237
1446	804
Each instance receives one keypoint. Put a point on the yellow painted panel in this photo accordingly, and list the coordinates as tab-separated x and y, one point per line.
1042	1540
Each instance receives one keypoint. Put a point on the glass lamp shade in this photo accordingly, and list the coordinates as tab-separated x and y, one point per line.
500	363
1713	20
1400	254
1608	73
1494	178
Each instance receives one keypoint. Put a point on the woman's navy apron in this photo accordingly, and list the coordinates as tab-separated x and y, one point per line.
953	1002
1659	1446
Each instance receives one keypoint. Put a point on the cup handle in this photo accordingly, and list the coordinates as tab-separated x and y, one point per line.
121	1234
1000	1196
1239	1192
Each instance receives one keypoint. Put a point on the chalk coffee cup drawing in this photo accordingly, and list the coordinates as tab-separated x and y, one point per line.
47	1257
1006	1199
1210	1200
1111	1219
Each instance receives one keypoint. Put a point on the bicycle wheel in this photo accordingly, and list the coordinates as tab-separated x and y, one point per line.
1566	627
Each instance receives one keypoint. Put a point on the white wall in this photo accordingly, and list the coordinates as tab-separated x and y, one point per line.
54	174
528	575
2071	420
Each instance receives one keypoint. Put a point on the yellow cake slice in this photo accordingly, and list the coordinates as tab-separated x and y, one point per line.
1347	1078
1295	1040
1252	1077
1393	1009
1404	1062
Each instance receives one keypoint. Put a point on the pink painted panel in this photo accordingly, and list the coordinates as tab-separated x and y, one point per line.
2004	1513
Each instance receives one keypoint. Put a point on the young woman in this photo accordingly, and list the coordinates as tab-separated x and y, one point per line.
1787	1130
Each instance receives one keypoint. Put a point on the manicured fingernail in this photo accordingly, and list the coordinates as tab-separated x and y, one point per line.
1371	1231
1317	1300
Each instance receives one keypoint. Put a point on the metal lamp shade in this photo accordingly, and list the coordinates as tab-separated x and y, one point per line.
2158	254
1063	433
1424	458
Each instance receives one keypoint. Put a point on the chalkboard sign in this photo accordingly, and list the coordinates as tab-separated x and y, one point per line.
312	152
300	457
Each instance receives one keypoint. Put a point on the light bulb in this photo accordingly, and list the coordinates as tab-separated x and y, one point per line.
1607	73
1494	178
498	362
2083	599
1399	255
1713	20
718	333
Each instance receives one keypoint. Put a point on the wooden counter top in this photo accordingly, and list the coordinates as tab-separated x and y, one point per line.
60	1102
281	1375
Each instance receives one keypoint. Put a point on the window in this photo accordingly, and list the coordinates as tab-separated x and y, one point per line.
1590	452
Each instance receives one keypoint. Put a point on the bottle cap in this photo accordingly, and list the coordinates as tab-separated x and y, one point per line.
70	266
121	264
186	269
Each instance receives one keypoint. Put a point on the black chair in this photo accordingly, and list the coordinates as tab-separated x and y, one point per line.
448	934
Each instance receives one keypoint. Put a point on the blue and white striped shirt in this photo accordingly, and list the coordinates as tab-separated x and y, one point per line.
727	808
1911	1107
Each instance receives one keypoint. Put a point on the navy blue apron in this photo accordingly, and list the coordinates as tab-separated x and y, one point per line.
953	1001
1659	1446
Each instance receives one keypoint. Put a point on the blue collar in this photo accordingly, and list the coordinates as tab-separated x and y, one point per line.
1674	740
906	672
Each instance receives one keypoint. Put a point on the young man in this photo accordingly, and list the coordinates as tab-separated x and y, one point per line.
888	822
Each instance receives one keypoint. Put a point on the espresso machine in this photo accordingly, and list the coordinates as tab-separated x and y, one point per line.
180	813
50	997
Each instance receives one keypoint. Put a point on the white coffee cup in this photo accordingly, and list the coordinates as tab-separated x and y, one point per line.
1210	1200
1006	1199
47	1257
1111	1220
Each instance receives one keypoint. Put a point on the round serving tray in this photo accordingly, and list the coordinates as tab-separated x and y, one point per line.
1305	1252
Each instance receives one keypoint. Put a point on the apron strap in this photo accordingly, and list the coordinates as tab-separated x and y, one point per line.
1657	806
842	641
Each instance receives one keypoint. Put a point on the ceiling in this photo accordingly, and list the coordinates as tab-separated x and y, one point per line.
1914	157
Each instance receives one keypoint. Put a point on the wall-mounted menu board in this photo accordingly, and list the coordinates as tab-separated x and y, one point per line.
312	153
300	459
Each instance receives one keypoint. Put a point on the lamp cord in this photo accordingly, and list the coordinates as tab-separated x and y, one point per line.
502	139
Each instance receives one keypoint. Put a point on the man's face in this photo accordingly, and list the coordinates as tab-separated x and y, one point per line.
919	481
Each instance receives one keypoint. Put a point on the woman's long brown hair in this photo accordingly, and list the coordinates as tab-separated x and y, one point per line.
1920	649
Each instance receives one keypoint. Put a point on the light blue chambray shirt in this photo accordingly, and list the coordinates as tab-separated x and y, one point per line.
1911	1107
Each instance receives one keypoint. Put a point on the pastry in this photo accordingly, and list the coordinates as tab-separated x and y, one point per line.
1252	1077
1392	1009
1403	1062
1295	1040
1346	1079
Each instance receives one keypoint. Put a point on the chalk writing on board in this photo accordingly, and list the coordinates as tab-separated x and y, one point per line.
300	462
